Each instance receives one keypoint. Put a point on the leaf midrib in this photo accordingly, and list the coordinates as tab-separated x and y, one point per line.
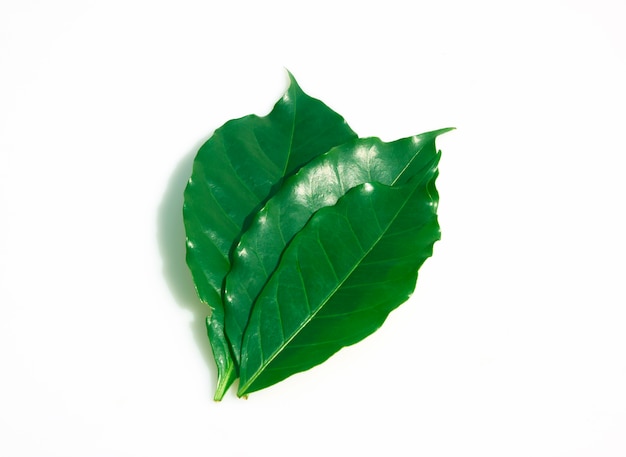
293	130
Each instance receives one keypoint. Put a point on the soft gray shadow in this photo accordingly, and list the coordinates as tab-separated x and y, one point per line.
171	239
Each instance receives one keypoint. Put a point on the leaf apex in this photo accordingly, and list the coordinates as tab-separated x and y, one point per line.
436	133
292	79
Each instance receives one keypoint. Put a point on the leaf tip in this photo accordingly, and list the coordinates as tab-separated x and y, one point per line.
292	80
442	131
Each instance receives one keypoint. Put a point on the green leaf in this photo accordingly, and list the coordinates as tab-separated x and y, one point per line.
234	172
338	279
318	184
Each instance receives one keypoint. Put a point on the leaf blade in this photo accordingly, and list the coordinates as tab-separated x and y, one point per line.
340	316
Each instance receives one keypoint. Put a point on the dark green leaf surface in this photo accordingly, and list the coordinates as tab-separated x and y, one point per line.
235	171
339	278
318	184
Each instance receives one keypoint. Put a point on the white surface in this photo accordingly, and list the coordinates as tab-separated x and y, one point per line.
514	343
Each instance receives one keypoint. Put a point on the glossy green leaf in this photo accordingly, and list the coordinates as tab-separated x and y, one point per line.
235	171
339	278
318	184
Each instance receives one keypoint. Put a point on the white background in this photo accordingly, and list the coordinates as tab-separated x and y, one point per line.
514	343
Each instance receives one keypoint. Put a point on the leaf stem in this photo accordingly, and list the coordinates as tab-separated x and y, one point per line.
224	381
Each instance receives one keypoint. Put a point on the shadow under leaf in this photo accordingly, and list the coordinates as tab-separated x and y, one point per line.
171	240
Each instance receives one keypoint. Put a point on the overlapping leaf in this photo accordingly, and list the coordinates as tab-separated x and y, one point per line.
320	183
339	278
235	171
